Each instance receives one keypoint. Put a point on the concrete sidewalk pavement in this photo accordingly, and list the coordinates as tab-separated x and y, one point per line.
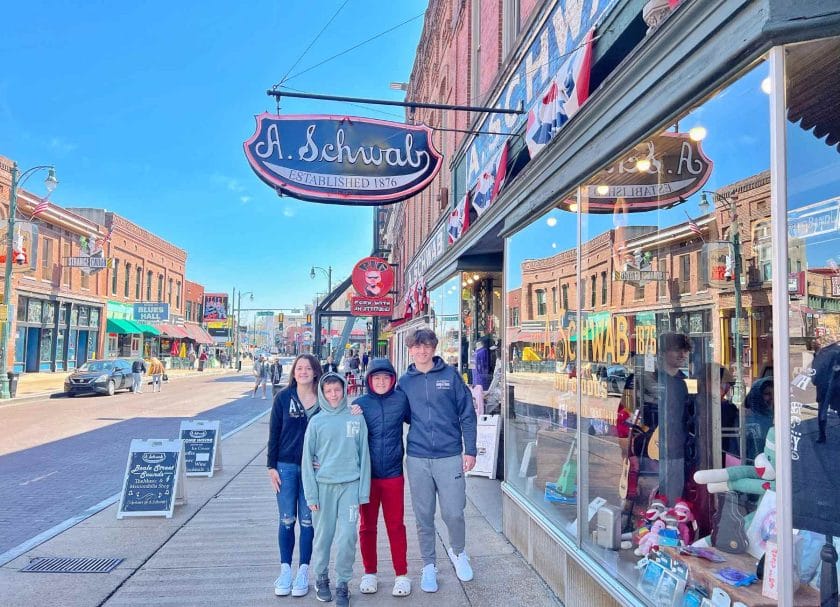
221	549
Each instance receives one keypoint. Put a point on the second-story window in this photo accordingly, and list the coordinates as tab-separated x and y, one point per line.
541	308
127	280
510	25
149	277
160	288
169	296
565	290
178	295
592	292
475	52
114	272
138	284
603	288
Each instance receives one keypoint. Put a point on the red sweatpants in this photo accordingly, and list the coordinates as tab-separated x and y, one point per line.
390	493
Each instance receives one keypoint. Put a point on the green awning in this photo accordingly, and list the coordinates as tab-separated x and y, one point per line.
147	328
118	325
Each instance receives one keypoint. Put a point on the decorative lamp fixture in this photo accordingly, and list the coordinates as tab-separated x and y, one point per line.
643	165
697	133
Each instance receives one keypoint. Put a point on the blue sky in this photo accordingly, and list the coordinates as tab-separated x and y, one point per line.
143	108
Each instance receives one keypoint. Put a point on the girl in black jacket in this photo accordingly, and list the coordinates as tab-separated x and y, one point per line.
290	414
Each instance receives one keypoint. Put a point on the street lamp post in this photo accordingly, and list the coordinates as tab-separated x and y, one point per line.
328	274
236	341
18	179
729	205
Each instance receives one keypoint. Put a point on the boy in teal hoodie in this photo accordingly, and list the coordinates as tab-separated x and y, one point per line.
334	488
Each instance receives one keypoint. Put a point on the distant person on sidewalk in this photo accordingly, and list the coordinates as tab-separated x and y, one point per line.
261	371
441	448
330	366
385	409
291	411
365	361
276	374
156	370
202	360
338	442
138	368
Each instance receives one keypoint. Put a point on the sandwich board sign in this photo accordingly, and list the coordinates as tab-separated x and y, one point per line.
202	446
154	478
487	445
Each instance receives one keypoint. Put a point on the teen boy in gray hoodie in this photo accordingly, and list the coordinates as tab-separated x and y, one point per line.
338	442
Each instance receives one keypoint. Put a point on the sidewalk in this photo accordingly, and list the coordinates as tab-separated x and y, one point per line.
221	549
39	385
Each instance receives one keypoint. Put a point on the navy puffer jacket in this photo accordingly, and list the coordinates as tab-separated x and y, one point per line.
385	415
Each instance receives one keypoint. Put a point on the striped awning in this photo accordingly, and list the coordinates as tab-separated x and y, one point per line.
170	330
120	325
197	334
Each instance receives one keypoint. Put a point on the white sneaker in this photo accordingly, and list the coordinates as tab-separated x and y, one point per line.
301	585
283	584
368	585
428	578
402	586
463	569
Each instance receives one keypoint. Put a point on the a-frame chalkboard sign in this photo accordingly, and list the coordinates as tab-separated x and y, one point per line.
154	478
202	446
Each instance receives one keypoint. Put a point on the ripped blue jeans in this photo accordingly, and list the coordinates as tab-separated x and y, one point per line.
292	506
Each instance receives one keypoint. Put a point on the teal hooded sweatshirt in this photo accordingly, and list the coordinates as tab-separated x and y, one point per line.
338	441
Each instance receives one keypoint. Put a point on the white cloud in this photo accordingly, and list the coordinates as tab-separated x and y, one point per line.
57	144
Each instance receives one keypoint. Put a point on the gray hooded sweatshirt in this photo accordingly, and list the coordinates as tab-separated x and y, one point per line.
338	441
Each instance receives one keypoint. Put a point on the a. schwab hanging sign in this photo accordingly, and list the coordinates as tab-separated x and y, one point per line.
342	160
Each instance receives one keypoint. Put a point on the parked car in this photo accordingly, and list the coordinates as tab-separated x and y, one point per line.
616	378
100	377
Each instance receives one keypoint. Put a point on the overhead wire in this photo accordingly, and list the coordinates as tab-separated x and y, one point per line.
354	47
311	44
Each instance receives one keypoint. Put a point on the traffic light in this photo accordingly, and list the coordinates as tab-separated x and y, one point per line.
309	319
280	318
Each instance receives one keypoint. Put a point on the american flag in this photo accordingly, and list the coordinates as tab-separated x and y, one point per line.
40	208
692	225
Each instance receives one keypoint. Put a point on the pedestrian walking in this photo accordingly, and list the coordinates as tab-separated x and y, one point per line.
291	411
138	368
202	360
276	374
261	372
338	442
157	371
365	361
385	409
330	366
441	448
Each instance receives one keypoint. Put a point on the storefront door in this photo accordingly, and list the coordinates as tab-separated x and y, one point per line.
82	348
33	341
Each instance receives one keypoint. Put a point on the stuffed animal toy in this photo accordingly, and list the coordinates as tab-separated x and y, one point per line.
656	510
686	523
754	480
649	540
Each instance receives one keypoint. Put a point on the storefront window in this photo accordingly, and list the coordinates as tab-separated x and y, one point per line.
540	430
59	345
46	345
84	316
650	389
74	316
813	281
94	318
444	317
21	310
481	318
35	309
49	312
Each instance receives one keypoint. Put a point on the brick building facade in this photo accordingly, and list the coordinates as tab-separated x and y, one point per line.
193	301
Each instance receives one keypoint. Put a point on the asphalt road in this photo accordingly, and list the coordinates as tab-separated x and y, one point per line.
60	456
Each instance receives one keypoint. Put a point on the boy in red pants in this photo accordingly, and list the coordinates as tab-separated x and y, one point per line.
385	409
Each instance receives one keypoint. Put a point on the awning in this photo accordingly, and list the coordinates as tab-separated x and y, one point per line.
147	328
197	334
813	88
119	325
169	330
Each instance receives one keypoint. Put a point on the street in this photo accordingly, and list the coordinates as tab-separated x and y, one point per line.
60	456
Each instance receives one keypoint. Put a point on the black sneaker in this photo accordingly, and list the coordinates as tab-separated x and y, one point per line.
322	588
342	595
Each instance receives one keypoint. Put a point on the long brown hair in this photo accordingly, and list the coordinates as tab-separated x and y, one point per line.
316	371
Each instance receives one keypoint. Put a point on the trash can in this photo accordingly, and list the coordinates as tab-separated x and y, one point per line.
13	383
